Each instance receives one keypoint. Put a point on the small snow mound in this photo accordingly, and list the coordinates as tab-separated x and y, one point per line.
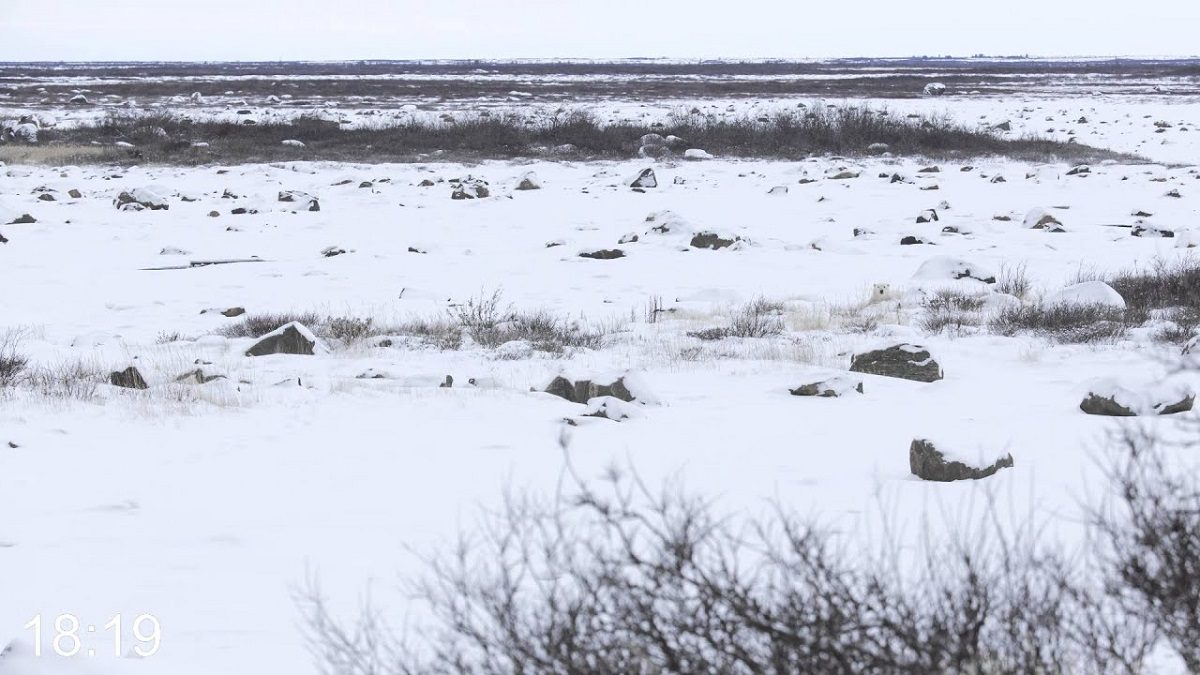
612	408
946	268
1088	293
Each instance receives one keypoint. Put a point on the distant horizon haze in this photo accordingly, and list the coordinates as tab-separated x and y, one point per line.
378	30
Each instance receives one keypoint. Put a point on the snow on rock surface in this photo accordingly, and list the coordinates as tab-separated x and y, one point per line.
903	361
1111	398
148	197
833	387
1087	293
291	338
940	268
947	462
1042	219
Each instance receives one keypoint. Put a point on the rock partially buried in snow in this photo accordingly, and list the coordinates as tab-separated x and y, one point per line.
833	387
469	188
141	198
603	254
1041	219
712	240
626	388
928	462
292	338
130	378
306	201
947	268
529	182
934	89
1088	293
612	408
644	179
904	361
1108	398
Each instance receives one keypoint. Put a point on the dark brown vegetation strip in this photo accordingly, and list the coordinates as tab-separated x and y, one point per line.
168	139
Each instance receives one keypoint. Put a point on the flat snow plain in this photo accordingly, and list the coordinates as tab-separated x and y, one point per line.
207	505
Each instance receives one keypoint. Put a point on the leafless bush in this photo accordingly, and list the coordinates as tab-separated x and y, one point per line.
621	580
1150	541
1068	323
441	332
349	329
258	325
1014	281
1171	290
757	319
70	380
1165	285
12	362
953	310
480	317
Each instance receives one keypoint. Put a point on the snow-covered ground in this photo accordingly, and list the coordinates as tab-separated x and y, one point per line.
206	505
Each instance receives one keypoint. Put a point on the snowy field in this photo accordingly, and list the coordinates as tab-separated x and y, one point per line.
206	505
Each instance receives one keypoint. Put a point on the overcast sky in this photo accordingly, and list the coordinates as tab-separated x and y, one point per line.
83	30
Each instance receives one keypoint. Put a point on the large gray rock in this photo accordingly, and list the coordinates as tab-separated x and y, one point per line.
929	463
129	378
582	391
712	240
905	361
1115	404
292	338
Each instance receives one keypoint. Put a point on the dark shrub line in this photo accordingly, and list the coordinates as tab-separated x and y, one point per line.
167	138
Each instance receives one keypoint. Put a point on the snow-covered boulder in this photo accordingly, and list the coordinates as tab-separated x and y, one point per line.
942	462
946	268
904	361
529	182
1187	239
1088	293
833	387
142	198
26	132
469	187
668	222
1109	397
1042	219
644	179
612	408
292	338
305	201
